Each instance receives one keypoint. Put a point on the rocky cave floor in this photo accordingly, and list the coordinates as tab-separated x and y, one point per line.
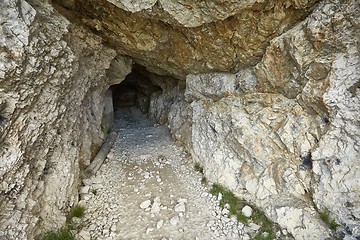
148	188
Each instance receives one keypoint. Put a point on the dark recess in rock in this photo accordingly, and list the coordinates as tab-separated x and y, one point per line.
307	161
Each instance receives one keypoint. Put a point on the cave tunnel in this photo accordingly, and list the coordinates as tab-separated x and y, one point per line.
134	90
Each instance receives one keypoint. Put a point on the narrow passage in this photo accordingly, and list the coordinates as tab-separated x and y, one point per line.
147	188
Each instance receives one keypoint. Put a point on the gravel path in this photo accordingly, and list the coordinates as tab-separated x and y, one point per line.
148	189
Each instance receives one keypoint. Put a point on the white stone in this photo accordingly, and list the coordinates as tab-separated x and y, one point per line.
155	208
180	207
84	235
145	204
254	227
210	223
219	196
174	220
113	228
247	211
225	211
84	189
160	223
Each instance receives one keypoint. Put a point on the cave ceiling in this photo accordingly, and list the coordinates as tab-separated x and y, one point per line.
185	37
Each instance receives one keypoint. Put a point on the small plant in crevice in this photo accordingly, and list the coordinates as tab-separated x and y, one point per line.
204	180
324	215
105	129
229	198
77	211
199	168
267	230
67	232
62	234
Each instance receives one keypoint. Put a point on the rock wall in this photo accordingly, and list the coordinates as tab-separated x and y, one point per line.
52	87
319	67
264	94
284	134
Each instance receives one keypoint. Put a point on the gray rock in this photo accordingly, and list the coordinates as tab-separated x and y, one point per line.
180	207
174	220
145	204
160	223
83	235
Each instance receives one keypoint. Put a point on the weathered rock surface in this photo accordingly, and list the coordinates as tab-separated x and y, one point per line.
182	37
52	88
318	64
286	135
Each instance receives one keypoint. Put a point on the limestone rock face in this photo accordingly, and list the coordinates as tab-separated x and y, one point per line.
133	5
285	134
183	37
323	76
52	87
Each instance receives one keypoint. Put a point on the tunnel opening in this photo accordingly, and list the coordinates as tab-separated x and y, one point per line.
134	91
150	93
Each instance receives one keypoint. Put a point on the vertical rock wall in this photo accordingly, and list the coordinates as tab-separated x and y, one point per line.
318	65
285	134
52	88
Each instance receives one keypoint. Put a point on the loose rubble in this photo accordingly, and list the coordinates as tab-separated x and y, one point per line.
148	189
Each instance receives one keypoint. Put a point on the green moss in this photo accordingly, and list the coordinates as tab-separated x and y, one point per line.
61	234
199	168
326	218
105	128
229	198
324	215
267	230
204	180
65	233
77	211
241	218
333	224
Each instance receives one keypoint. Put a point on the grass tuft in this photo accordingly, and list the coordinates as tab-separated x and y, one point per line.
61	234
199	168
66	232
229	198
204	180
267	230
333	224
326	218
77	211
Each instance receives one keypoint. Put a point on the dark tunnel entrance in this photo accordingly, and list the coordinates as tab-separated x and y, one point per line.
143	90
135	90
